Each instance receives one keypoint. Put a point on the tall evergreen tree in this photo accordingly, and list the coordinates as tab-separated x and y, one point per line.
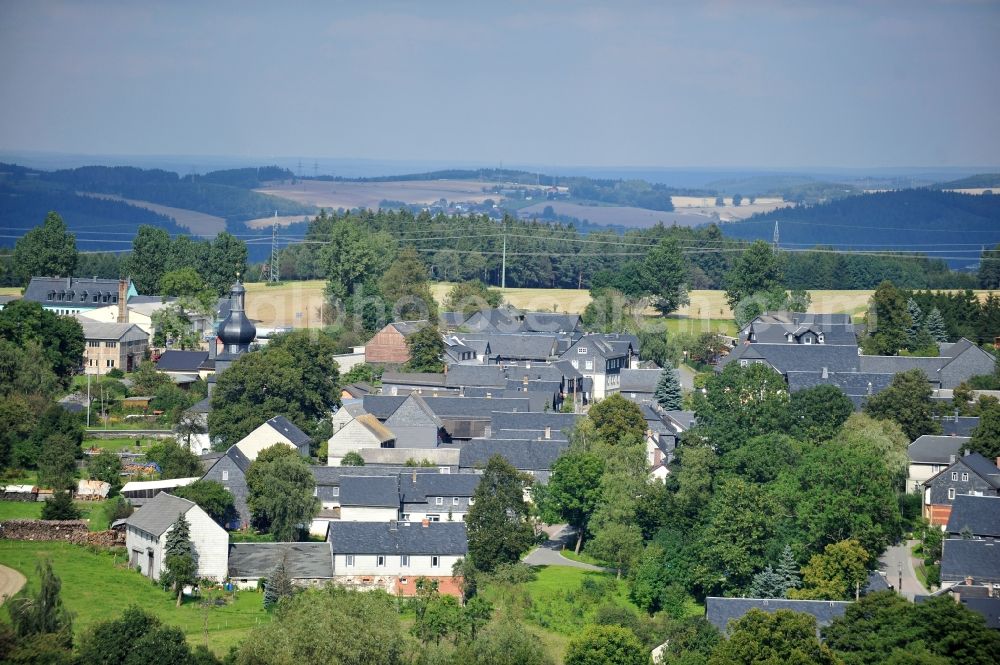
935	325
767	584
181	559
916	322
887	322
788	569
668	390
277	586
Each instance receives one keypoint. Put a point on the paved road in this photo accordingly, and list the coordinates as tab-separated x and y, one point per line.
898	558
549	553
11	582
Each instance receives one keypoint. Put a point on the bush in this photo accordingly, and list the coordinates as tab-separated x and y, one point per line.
117	508
115	374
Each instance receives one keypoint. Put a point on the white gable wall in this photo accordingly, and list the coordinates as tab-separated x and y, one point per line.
263	437
351	438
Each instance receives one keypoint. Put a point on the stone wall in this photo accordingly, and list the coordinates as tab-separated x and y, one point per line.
70	531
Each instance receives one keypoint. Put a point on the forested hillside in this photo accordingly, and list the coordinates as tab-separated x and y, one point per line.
948	225
26	195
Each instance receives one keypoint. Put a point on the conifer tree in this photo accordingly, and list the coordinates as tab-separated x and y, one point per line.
767	584
788	568
916	321
935	326
42	612
181	559
277	586
668	390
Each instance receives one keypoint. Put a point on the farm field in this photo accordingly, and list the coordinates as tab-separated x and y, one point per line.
98	586
333	195
198	223
617	215
298	304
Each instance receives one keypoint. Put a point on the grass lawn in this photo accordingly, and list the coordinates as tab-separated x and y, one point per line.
98	586
93	512
582	557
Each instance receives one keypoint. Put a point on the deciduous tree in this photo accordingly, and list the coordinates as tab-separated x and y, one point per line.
48	250
616	418
211	497
836	574
497	522
908	402
781	637
573	491
887	322
426	350
606	645
281	492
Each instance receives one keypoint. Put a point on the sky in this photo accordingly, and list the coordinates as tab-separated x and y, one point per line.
754	83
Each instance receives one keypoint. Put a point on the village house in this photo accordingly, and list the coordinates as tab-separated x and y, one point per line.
359	433
393	555
276	430
371	498
722	612
74	295
388	346
148	527
109	346
929	455
600	359
971	474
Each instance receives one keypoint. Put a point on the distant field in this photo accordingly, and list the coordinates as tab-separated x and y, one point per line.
286	220
198	223
299	304
620	215
10	291
333	195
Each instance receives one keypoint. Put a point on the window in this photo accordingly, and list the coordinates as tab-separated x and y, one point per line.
454	501
111	345
954	475
808	340
350	560
380	561
96	297
111	363
93	344
225	474
471	501
433	518
581	349
439	501
743	363
965	477
52	294
336	491
435	562
951	493
315	491
575	363
404	561
588	364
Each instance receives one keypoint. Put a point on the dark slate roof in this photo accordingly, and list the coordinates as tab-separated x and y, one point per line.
721	611
526	346
474	408
241	460
415	488
452	319
550	387
442	538
413	411
978	559
986	469
204	406
303	561
851	383
373	491
159	513
534	420
181	361
684	419
932	449
294	434
412	379
527	435
639	380
547	371
523	455
876	582
38	290
961	426
382	406
799	357
776	333
978	514
896	364
330	476
989	608
407	328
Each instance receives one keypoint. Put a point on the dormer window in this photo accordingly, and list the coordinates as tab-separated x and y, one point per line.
97	297
52	295
821	340
83	296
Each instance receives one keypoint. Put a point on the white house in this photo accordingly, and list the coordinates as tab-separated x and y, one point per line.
364	431
391	556
369	498
276	430
148	527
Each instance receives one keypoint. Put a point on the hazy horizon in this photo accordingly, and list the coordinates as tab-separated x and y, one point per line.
778	86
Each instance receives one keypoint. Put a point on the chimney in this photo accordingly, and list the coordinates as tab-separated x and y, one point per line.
826	373
213	347
951	459
414	475
425	522
998	461
527	364
965	453
548	431
122	301
524	381
392	525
